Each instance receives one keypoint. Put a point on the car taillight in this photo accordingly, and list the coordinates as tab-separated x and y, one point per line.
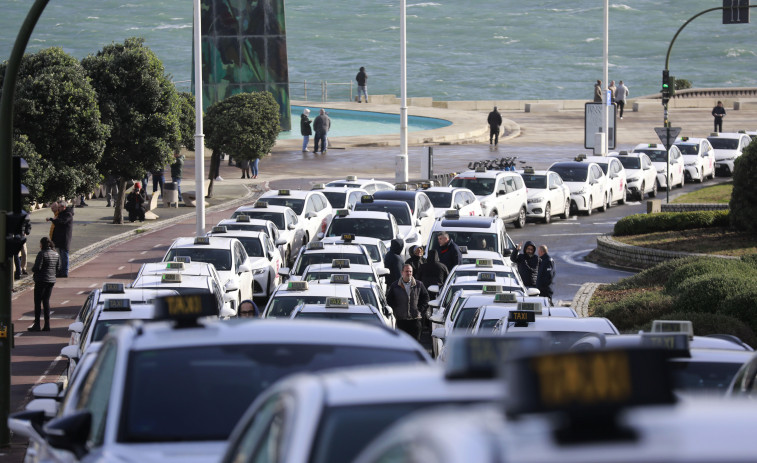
323	226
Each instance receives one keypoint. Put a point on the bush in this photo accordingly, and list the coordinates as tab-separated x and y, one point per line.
707	323
751	260
653	276
705	293
680	84
742	304
744	197
638	224
636	309
702	266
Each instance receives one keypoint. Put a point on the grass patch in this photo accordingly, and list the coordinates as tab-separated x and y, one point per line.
712	194
720	241
139	230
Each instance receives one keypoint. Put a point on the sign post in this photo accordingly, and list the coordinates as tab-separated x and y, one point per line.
667	136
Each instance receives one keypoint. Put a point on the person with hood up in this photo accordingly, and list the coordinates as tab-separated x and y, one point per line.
416	259
432	272
46	267
546	274
61	235
408	299
393	260
494	120
305	129
449	252
528	262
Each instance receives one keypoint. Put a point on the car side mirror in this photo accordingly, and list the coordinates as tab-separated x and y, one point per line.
284	271
310	215
28	423
290	226
227	313
47	391
500	192
76	327
382	271
231	285
47	406
437	317
319	235
244	268
71	352
439	333
433	289
533	291
280	242
507	252
70	432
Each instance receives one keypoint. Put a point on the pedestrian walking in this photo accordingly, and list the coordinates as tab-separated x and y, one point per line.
718	112
527	261
621	93
432	272
158	179
305	129
495	121
61	234
177	171
321	125
612	89
598	91
111	189
46	267
416	259
408	299
362	84
255	167
546	273
449	252
245	166
393	260
19	260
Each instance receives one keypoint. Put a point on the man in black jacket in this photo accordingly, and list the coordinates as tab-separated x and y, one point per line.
408	299
432	272
393	260
546	273
61	235
528	263
494	120
362	84
449	252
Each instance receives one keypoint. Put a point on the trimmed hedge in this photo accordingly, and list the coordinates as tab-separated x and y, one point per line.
637	309
750	260
706	265
705	293
654	276
706	323
744	196
639	224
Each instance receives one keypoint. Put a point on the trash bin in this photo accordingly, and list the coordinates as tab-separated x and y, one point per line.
170	195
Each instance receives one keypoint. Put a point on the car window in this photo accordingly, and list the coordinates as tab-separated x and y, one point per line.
370	188
353	199
95	395
297	205
509	184
262	436
519	184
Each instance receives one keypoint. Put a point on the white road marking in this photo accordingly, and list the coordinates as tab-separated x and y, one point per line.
82	292
58	317
572	259
110	276
44	375
121	267
131	260
143	252
603	223
18	335
64	302
93	285
575	234
157	245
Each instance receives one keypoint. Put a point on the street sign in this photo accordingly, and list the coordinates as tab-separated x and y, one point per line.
593	123
735	11
662	132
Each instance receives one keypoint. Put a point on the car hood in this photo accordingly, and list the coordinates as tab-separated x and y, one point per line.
257	262
575	186
536	193
726	154
162	452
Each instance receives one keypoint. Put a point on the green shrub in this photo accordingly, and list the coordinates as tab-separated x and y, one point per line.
705	293
751	260
742	304
653	276
638	224
704	265
707	323
744	197
636	309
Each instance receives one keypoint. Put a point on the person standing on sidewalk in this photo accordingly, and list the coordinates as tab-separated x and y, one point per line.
158	179
61	234
527	261
495	121
254	164
111	189
408	299
305	129
620	97
598	91
46	266
612	89
177	170
362	84
321	125
546	273
718	112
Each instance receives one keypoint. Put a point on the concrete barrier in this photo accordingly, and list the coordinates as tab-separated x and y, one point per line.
542	107
426	102
647	105
628	256
745	104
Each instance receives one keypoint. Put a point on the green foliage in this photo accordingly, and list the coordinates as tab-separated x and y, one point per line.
744	197
680	84
703	266
636	309
56	107
653	276
244	126
638	224
750	260
39	169
704	293
187	120
707	323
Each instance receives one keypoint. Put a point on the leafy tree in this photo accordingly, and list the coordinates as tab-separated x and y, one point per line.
682	84
244	126
743	202
55	107
187	120
141	105
39	169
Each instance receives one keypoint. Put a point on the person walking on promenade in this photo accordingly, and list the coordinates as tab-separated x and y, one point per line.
177	170
46	266
449	252
528	263
598	91
612	89
495	121
245	166
111	189
432	272
321	125
254	165
393	260
416	259
61	234
718	112
362	84
305	129
158	179
546	273
408	299
621	93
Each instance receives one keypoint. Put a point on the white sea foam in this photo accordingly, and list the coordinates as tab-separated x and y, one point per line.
423	4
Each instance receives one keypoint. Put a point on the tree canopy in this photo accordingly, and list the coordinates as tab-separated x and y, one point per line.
187	120
743	202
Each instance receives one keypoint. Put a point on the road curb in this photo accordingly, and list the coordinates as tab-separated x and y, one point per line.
581	300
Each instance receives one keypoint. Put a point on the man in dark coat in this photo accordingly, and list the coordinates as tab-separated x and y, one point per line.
321	126
408	299
546	273
432	272
416	259
61	237
528	262
494	120
449	252
393	260
305	129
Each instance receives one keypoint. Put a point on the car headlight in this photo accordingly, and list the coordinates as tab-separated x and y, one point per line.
632	180
535	200
581	191
661	171
258	271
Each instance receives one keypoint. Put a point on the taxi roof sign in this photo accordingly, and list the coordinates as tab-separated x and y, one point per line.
342	212
528	170
482	356
506	298
297	286
185	309
337	303
315	245
491	289
623	153
534	307
243	218
347	237
426	185
487	263
366	199
673	326
183	259
113	288
452	214
486	276
401	187
203	240
319	186
175	265
351	178
219	229
340	278
480	168
284	192
521	317
261	204
677	344
170	278
340	263
117	305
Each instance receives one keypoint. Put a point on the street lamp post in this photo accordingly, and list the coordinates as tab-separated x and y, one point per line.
199	136
400	164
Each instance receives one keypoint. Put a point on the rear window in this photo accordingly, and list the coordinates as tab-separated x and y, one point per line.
572	173
629	162
399	211
295	204
336	199
276	217
372	228
479	186
326	258
282	306
724	143
440	199
371	319
220	258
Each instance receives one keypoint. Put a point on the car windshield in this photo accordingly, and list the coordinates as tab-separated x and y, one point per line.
464	317
281	306
603	166
198	393
724	143
246	227
321	275
487	325
337	199
440	199
479	186
368	296
655	155
103	327
630	162
474	240
372	228
253	246
295	204
369	318
472	260
399	211
559	339
326	258
276	217
373	250
535	181
220	258
572	173
343	184
688	148
703	376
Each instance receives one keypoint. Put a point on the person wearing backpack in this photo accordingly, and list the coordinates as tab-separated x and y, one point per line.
546	273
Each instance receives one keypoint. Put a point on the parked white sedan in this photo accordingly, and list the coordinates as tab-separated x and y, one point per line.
641	175
548	195
698	158
587	183
444	198
670	172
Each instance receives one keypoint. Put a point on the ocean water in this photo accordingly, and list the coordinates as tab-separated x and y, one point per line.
456	50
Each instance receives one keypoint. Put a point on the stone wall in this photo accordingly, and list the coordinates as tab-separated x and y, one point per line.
693	207
624	255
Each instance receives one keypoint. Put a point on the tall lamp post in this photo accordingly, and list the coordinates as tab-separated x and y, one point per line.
400	164
199	136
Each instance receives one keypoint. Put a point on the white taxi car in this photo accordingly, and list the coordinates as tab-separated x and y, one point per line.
547	195
259	225
616	176
587	183
289	295
343	266
501	193
562	332
375	247
672	169
319	252
312	208
698	158
641	175
727	146
422	212
370	185
264	258
380	225
410	232
337	308
291	228
448	197
472	233
224	302
340	197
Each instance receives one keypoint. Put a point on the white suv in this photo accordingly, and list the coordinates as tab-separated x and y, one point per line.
727	146
501	193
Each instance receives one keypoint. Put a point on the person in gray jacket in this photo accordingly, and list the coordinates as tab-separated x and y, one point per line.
321	125
408	299
46	267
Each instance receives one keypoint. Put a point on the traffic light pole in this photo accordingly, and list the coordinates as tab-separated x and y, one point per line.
6	207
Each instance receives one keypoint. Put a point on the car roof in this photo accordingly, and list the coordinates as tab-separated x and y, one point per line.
339	189
270	208
135	294
445	189
330	248
468	222
315	288
216	242
351	308
253	221
403	194
154	280
238	233
598	159
572	164
191	268
386	202
296	194
365	215
487	174
137	312
331	240
649	146
587	324
353	268
728	135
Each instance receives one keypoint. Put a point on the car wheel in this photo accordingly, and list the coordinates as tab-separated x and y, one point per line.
288	257
622	199
520	222
641	192
547	213
680	185
566	212
590	207
603	207
653	193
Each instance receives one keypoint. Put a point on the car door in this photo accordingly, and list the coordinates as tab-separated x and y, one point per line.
648	171
708	155
264	437
274	257
598	185
245	278
510	204
555	193
426	216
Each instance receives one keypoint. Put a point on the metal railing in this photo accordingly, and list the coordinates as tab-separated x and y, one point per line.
321	91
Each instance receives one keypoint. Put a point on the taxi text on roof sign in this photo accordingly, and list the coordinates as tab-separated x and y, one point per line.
530	306
260	204
348	237
117	305
521	317
491	289
337	303
673	326
183	259
340	278
463	249
340	263
676	343
202	240
218	229
366	199
171	278
482	356
297	286
506	298
243	218
342	212
175	265
486	276
185	309
484	263
284	192
113	288
315	245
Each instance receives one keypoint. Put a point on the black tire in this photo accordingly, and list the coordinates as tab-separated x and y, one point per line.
520	222
591	206
622	199
641	192
653	193
566	213
603	207
547	213
680	185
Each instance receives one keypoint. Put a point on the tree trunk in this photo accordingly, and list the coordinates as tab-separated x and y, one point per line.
118	214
